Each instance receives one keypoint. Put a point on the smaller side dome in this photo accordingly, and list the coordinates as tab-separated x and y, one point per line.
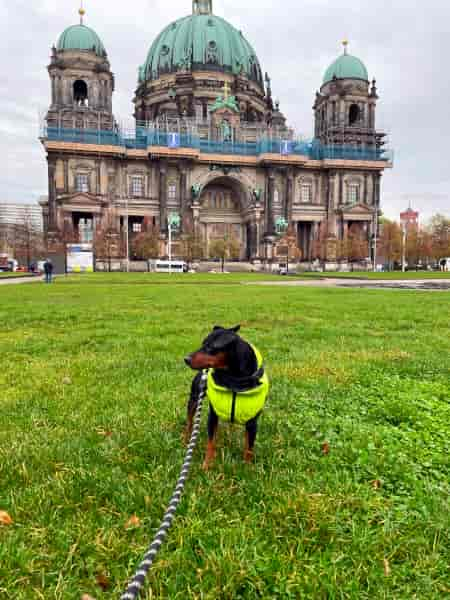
346	67
81	37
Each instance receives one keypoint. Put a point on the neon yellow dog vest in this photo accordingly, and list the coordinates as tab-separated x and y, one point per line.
246	404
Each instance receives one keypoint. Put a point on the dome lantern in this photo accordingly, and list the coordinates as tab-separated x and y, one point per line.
202	7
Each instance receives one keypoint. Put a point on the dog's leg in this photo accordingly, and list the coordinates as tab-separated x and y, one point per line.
213	422
251	428
192	407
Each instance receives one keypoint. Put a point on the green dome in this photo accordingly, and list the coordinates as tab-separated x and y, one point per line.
80	37
201	42
346	67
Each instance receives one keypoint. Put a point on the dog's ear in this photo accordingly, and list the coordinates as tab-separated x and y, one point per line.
235	329
217	327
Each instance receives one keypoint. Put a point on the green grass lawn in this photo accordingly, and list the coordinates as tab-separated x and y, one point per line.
92	396
384	275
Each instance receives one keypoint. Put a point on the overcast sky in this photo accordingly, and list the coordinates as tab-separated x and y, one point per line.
404	44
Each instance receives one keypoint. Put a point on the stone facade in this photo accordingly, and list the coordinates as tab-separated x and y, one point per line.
103	185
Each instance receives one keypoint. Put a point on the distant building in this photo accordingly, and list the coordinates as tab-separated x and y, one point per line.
409	219
20	214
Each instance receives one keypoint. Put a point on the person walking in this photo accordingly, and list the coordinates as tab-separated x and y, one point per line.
48	270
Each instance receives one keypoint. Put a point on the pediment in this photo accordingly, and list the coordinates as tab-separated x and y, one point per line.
80	198
357	209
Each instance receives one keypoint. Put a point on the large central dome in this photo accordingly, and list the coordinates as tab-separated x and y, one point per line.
199	42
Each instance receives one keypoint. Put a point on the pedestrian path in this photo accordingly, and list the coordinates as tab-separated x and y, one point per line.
16	280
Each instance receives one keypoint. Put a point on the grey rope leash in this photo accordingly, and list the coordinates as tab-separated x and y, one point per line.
135	585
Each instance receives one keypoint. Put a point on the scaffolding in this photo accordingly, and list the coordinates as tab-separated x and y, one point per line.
252	139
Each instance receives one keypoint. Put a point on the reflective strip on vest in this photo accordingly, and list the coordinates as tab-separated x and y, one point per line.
248	404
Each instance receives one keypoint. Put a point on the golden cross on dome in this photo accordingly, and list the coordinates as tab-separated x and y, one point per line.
226	90
345	44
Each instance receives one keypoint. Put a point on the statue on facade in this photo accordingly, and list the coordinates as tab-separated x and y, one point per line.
226	131
195	190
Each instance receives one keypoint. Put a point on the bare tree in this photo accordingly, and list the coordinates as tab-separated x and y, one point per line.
288	247
357	246
145	245
193	247
439	228
391	242
27	241
224	248
108	244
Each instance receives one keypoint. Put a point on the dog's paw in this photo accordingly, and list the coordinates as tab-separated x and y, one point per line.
249	457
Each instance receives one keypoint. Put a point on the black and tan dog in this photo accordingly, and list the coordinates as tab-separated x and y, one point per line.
237	386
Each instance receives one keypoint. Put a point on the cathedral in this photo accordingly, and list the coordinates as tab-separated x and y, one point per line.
209	145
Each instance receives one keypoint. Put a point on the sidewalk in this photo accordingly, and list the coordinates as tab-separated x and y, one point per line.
16	280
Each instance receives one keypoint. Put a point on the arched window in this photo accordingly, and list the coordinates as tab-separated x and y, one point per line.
80	93
353	114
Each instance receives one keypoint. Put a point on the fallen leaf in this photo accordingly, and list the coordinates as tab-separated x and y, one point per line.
325	448
5	519
376	484
102	581
387	568
67	381
133	521
104	433
87	597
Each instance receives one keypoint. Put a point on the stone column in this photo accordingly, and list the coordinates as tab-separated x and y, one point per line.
67	92
53	90
98	190
344	229
331	208
377	190
51	193
269	202
183	195
289	196
341	189
371	116
163	198
66	175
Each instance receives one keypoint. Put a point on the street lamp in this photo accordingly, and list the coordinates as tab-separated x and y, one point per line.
173	221
281	226
404	247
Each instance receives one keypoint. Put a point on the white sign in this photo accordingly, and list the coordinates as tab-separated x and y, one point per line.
286	147
80	258
173	140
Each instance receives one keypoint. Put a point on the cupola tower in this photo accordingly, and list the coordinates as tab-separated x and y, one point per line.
82	83
346	104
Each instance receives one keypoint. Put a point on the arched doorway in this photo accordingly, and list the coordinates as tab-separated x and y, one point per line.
222	215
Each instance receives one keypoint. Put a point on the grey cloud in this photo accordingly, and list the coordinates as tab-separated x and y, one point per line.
404	45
